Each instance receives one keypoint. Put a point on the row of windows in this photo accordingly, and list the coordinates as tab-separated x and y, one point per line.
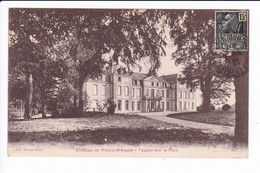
162	105
161	84
186	106
138	105
186	95
138	91
128	80
157	93
103	78
95	90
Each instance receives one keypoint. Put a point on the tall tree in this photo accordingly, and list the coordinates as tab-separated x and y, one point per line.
32	34
21	51
192	32
127	35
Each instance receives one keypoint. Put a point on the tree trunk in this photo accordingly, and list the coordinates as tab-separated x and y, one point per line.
206	94
241	127
81	105
43	96
206	101
43	109
75	98
29	95
21	108
43	103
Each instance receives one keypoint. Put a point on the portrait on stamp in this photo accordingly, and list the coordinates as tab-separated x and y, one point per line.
231	30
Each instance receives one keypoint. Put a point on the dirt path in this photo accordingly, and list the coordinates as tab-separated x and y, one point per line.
208	128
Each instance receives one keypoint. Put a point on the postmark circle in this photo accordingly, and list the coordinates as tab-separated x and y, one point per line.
235	65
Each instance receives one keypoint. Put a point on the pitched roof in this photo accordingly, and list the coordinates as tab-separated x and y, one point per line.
138	76
172	78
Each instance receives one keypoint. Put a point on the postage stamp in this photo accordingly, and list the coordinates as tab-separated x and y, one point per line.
231	30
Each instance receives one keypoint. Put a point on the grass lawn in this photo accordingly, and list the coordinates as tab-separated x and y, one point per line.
107	129
226	118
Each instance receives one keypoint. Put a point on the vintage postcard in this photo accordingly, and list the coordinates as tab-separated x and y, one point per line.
161	83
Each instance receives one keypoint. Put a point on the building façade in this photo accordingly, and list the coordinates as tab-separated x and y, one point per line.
139	92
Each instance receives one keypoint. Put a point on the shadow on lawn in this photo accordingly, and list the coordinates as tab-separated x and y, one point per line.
225	118
122	135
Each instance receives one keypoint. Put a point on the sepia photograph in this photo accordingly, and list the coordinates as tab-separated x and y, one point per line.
169	83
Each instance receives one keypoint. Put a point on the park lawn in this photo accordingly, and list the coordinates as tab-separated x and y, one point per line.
226	118
107	129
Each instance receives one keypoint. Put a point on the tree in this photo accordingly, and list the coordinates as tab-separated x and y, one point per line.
86	35
241	89
192	33
21	52
33	33
126	35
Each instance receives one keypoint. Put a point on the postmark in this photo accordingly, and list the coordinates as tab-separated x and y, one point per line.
231	30
235	64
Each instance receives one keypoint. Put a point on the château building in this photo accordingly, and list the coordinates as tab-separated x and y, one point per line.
139	92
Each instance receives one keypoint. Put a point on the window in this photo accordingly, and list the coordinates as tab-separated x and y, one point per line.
133	105
147	92
192	105
103	90
192	95
168	94
138	106
133	92
126	105
152	92
108	79
188	95
95	90
157	84
162	93
173	95
135	82
119	90
162	105
173	106
180	94
152	84
138	92
185	94
180	105
119	105
103	78
126	91
168	105
119	79
185	108
188	105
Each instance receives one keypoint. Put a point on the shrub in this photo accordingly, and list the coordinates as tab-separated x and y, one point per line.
101	106
201	109
226	107
111	106
212	107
